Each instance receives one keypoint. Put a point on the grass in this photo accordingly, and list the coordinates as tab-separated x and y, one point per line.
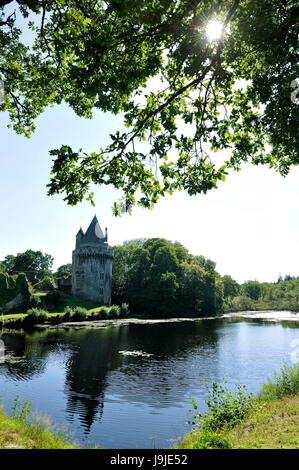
68	301
17	432
274	426
74	311
240	421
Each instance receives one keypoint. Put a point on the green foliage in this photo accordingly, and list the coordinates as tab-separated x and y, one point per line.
36	301
79	314
54	299
251	289
237	420
124	309
239	304
226	408
64	270
284	383
11	286
101	56
46	284
35	316
162	278
115	311
230	287
280	295
32	261
104	312
211	440
21	412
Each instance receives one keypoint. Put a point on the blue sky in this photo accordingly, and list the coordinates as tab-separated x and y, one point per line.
249	226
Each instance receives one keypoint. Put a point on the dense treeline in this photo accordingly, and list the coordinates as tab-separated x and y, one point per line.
253	295
158	277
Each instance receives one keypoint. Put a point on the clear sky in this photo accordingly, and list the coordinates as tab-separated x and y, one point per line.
249	226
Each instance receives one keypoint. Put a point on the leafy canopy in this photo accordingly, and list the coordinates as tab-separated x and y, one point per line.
229	94
33	261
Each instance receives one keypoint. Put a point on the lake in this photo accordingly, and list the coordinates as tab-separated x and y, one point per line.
130	386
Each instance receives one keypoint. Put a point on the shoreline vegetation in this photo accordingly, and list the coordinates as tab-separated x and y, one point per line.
235	420
79	317
152	278
238	420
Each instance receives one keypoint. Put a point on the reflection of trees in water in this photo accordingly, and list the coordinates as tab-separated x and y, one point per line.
173	340
90	355
25	359
141	379
175	349
182	353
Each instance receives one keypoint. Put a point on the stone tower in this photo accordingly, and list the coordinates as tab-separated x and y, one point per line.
92	265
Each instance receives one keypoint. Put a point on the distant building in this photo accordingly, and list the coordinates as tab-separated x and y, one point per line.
92	265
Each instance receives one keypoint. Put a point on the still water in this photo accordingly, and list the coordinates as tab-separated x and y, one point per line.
130	386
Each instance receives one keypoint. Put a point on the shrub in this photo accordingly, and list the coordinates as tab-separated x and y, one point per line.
80	314
284	383
114	311
35	316
225	407
124	309
68	313
105	312
241	303
46	284
11	286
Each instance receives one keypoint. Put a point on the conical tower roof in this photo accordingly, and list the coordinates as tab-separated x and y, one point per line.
94	233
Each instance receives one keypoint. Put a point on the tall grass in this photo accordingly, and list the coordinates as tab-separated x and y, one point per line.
25	432
284	383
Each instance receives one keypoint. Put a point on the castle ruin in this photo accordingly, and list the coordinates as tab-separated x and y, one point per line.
92	265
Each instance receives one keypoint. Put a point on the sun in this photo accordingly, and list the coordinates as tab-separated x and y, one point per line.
214	30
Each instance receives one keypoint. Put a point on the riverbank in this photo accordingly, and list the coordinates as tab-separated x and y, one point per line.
18	434
271	315
114	317
268	421
235	420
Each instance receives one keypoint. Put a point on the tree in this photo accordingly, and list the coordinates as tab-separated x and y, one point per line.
8	263
231	93
230	286
64	270
160	278
33	261
252	289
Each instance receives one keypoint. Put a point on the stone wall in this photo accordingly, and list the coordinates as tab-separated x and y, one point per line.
92	273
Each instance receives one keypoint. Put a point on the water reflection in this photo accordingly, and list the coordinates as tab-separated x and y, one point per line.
87	370
90	356
102	386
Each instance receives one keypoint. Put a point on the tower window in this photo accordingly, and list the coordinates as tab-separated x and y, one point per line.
101	291
102	276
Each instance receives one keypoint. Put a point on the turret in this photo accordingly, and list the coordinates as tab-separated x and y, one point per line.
92	265
79	237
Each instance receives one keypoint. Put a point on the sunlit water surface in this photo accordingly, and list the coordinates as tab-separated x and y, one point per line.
130	386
